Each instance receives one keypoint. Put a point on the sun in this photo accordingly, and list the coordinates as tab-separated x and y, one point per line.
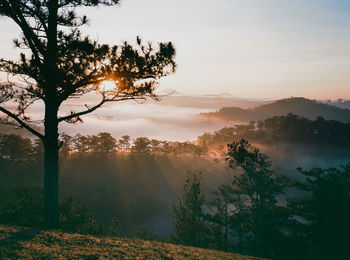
108	85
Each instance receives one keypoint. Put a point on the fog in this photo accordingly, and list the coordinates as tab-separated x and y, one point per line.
173	118
141	190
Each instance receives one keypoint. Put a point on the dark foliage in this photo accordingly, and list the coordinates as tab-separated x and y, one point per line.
321	216
290	128
25	207
190	227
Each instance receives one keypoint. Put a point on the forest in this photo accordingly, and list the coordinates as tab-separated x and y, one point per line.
218	192
289	128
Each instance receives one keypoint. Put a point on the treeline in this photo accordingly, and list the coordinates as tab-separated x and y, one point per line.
289	128
104	144
267	214
15	147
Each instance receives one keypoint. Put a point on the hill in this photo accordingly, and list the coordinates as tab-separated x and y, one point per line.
310	109
29	243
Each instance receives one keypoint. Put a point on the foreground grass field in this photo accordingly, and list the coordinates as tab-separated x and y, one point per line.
29	243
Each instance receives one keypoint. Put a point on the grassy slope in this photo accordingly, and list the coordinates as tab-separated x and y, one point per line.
28	243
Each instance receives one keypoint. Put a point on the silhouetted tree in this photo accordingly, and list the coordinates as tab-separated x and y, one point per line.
80	144
38	152
155	146
124	142
141	146
166	148
321	215
190	227
106	144
66	147
15	148
220	215
259	185
64	64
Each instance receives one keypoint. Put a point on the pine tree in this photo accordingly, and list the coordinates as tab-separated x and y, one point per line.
63	64
258	185
190	227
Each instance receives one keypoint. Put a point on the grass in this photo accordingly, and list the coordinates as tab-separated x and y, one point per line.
29	243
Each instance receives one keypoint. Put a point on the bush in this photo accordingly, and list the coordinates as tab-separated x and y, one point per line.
26	208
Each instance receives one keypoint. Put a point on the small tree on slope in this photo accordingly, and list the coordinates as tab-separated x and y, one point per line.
189	224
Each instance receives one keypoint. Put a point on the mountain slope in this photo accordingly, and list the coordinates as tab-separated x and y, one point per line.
29	243
310	109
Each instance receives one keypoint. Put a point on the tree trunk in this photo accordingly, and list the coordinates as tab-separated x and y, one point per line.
259	228
51	167
51	122
240	237
226	227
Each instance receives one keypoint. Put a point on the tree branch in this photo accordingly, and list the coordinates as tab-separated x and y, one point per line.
104	100
21	123
87	111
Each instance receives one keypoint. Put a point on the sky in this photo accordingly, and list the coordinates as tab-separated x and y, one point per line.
261	49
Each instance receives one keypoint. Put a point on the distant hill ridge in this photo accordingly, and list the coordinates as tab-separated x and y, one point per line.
308	108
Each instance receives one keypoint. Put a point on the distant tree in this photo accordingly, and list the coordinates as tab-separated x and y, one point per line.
106	143
63	64
204	139
142	146
66	147
199	150
38	152
176	148
155	146
190	227
166	148
81	144
259	186
321	215
93	144
15	148
124	143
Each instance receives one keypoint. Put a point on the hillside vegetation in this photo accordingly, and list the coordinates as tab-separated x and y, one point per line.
29	243
310	109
